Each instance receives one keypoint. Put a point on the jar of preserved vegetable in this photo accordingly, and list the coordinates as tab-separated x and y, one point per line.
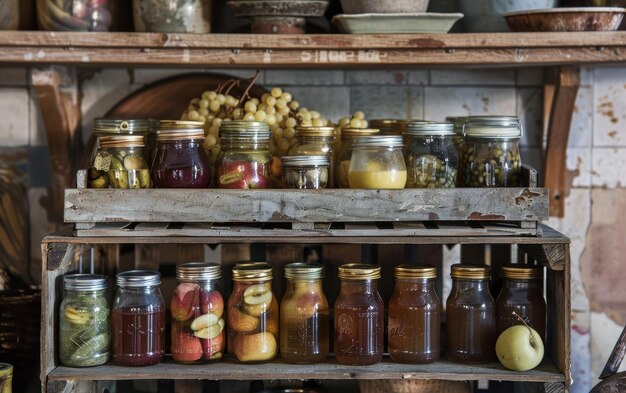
388	126
6	378
377	163
359	316
120	163
414	316
492	156
197	309
244	160
430	155
138	319
304	315
84	321
252	312
142	127
521	293
180	160
172	16
344	153
471	316
305	172
316	141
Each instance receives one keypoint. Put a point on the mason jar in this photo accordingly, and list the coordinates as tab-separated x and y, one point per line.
305	172
84	321
344	153
172	16
377	163
316	141
120	163
139	127
197	310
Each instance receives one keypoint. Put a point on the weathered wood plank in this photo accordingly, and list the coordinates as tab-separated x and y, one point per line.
553	255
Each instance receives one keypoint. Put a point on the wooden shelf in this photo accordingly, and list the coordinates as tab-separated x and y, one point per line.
312	51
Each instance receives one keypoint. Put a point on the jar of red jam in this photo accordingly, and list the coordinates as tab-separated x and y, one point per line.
198	326
244	160
180	160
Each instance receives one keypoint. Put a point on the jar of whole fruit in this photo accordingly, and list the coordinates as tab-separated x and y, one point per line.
304	315
470	316
387	126
138	319
492	156
180	160
316	141
344	153
430	155
359	316
521	293
305	172
84	321
244	160
377	163
414	316
120	163
252	312
197	307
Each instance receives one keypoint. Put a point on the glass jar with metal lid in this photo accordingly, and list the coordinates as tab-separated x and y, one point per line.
377	163
252	312
388	126
304	315
197	307
6	378
120	163
431	158
316	141
138	319
180	160
414	315
84	321
305	172
244	160
492	157
470	316
359	316
344	153
521	293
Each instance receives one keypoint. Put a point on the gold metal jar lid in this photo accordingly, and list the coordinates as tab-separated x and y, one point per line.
252	272
170	130
111	141
354	132
470	271
415	271
165	125
522	272
304	271
387	126
324	131
198	271
359	271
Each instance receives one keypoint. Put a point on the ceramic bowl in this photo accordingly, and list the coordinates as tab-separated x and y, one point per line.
383	6
486	15
567	19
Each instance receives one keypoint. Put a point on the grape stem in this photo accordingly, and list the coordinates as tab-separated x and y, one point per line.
252	82
235	83
532	336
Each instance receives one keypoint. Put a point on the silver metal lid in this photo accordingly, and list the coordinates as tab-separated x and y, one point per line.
138	279
458	122
378	141
297	161
85	282
501	127
244	129
123	126
198	271
430	128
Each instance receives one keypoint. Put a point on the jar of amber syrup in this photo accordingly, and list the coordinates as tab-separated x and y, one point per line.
304	316
471	316
359	316
414	315
521	293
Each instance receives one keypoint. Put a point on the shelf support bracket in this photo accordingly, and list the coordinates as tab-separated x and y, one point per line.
560	91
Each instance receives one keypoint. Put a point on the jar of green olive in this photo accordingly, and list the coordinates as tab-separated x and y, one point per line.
492	156
430	155
305	172
120	163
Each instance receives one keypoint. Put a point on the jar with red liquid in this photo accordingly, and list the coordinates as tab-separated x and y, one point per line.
197	307
414	315
521	293
470	316
138	319
180	160
359	316
245	158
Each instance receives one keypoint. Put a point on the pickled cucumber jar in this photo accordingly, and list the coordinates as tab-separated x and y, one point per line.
344	153
304	315
118	126
388	126
430	155
377	163
252	314
305	172
197	307
316	141
244	160
84	334
492	156
120	163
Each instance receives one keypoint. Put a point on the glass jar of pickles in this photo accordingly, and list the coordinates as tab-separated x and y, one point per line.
316	141
359	316
377	163
245	158
252	312
304	315
198	334
492	156
470	316
344	153
140	127
120	163
305	172
84	321
431	158
414	316
180	160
